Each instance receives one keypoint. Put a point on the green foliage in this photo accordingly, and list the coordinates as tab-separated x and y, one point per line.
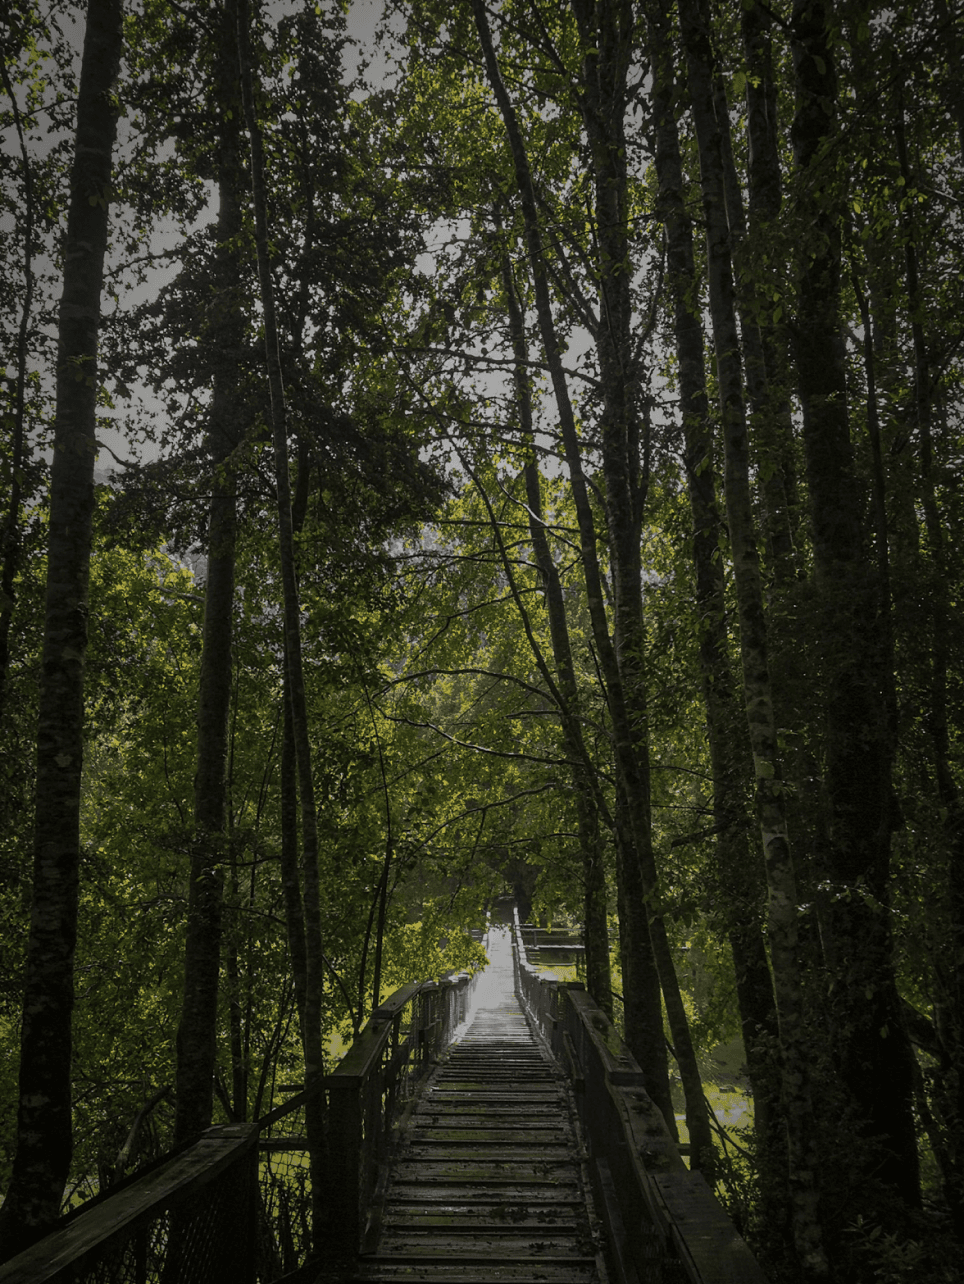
440	763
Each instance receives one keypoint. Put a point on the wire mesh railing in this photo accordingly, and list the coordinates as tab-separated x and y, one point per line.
190	1219
368	1094
237	1204
371	1089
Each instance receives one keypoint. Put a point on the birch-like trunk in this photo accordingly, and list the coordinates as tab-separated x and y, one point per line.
758	697
44	1126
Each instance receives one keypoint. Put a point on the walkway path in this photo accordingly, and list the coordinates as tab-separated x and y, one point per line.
489	1183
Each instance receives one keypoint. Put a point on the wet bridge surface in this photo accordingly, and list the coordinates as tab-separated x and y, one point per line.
489	1182
458	1154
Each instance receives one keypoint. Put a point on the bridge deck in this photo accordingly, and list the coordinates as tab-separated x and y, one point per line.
489	1182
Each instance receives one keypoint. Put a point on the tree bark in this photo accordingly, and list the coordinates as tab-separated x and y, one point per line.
44	1129
950	973
314	989
628	767
11	537
772	423
595	924
606	30
758	696
740	879
874	1054
197	1028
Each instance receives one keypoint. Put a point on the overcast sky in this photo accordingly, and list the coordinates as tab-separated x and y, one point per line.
363	18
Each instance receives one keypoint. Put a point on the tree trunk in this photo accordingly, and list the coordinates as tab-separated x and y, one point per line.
772	424
737	871
758	697
950	972
314	989
628	767
606	29
642	996
290	879
874	1054
11	537
595	918
197	1029
44	1130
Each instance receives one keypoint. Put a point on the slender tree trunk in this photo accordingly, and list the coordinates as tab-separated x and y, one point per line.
881	531
950	973
232	967
383	894
44	1129
290	876
637	793
642	995
290	879
767	363
606	28
11	537
737	873
314	989
952	43
874	1054
595	918
197	1029
758	696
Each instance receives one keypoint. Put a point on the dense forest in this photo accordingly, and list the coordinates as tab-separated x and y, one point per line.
533	465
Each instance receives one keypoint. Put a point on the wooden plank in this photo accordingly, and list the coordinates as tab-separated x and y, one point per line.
520	1212
618	1240
491	1250
458	1170
395	1002
541	1113
542	1272
704	1236
484	1193
484	1134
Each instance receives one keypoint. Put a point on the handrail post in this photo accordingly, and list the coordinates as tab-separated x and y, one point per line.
344	1165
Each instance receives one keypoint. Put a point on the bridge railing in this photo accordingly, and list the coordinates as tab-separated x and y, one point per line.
198	1216
664	1222
370	1089
192	1218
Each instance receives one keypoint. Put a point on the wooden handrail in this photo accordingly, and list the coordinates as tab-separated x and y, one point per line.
644	1188
66	1253
368	1088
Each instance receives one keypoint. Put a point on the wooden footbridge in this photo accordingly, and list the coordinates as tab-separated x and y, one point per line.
484	1130
489	1182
